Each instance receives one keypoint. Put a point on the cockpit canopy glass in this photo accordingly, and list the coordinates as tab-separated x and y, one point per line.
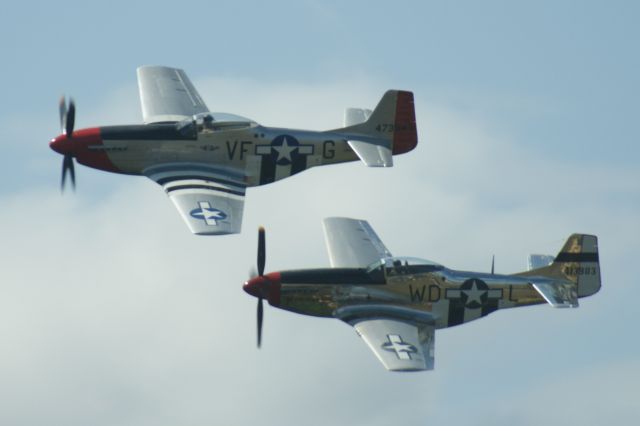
216	121
209	122
187	128
404	266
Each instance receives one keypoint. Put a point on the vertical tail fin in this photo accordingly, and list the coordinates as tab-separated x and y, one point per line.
577	262
391	125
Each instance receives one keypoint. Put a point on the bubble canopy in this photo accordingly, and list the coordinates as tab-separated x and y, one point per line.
212	121
404	265
222	117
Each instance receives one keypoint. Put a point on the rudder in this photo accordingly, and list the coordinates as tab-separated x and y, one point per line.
577	262
405	137
392	122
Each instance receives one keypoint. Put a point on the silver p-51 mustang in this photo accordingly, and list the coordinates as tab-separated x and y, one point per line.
396	303
205	160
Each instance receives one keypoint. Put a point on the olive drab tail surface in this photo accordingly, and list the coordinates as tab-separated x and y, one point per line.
577	262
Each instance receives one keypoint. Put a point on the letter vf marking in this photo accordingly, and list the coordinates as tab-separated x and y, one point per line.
232	149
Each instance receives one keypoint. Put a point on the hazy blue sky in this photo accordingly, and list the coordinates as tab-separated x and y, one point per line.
112	313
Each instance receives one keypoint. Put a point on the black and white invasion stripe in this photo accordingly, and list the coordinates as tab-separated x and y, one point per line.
197	178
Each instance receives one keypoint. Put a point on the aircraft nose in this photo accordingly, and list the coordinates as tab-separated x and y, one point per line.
78	143
255	286
266	286
61	145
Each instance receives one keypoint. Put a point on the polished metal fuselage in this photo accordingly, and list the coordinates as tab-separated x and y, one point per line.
259	154
451	297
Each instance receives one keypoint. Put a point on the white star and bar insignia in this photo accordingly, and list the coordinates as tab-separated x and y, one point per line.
282	148
402	349
207	213
475	293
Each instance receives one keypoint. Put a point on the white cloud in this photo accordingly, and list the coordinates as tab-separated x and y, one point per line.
597	395
112	313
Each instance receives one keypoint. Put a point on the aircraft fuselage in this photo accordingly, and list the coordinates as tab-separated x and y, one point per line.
451	297
261	154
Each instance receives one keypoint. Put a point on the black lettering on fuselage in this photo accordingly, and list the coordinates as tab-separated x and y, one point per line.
417	295
328	150
232	150
434	293
243	148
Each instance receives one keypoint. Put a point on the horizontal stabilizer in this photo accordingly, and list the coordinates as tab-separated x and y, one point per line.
353	116
539	261
390	129
578	263
372	155
558	294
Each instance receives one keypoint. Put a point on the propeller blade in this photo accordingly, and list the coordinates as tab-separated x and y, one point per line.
70	119
261	251
67	165
72	173
493	264
62	106
65	161
260	313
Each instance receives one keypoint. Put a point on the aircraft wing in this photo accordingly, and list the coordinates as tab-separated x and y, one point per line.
402	339
166	94
352	243
210	201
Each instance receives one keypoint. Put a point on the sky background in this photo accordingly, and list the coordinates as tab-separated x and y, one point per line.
112	313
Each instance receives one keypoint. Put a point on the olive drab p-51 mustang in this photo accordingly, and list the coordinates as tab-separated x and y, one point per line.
205	160
396	303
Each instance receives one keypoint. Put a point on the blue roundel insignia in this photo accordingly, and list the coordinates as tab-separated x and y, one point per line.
207	213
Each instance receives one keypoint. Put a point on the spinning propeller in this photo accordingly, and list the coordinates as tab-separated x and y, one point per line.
261	262
67	121
263	286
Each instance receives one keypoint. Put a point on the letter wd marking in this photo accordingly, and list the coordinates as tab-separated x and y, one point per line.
416	294
207	213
